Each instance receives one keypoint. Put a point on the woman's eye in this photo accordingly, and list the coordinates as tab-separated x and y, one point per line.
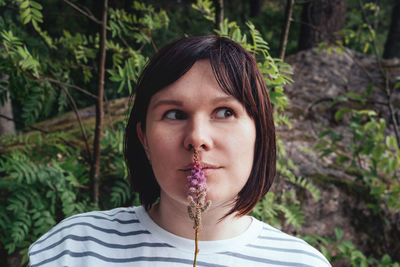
175	115
224	113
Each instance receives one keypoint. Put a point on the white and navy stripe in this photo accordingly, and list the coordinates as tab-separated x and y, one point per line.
128	237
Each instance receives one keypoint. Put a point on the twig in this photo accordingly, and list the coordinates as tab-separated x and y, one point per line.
125	42
152	42
89	16
285	34
307	24
154	45
78	117
95	170
52	80
67	85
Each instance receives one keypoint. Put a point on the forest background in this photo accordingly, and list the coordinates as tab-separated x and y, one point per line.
60	156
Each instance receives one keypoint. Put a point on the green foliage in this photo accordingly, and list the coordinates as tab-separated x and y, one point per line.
206	8
365	30
45	178
338	249
38	189
114	169
45	66
30	11
365	147
19	53
44	181
372	153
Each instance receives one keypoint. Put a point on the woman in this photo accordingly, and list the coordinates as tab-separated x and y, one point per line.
202	94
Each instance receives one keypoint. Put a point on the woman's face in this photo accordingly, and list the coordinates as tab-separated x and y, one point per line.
194	111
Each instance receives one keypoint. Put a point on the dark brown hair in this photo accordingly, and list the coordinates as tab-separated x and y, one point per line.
237	73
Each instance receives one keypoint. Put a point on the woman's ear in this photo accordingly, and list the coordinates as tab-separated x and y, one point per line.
143	139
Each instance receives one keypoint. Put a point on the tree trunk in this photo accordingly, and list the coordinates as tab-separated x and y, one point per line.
7	126
320	20
392	46
256	7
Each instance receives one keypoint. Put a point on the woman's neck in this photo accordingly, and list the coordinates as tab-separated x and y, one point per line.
173	217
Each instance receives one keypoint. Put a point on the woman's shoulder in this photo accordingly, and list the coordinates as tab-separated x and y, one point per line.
286	248
90	226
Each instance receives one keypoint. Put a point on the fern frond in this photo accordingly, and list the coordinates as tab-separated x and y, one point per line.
293	215
309	186
120	193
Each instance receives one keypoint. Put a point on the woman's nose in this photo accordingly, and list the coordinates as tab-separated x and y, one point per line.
198	135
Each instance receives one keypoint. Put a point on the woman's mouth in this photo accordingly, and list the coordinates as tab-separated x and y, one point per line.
206	167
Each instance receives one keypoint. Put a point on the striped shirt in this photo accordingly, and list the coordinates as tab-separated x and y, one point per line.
129	237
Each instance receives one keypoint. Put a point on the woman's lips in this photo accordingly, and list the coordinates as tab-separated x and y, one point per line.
206	167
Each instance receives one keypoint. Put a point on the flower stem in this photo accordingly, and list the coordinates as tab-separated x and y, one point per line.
196	248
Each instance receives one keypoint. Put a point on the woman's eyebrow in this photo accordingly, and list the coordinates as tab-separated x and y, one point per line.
168	102
223	99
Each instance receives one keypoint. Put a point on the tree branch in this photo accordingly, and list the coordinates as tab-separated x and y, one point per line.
285	33
307	24
52	80
89	16
67	85
95	169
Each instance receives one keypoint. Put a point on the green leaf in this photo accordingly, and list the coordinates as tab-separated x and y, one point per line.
392	165
338	233
26	16
37	14
341	112
36	5
370	113
391	142
24	5
366	47
356	97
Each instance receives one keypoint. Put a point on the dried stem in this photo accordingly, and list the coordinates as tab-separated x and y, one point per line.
196	246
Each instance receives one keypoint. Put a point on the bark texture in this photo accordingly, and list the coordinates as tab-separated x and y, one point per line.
320	20
256	7
6	126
